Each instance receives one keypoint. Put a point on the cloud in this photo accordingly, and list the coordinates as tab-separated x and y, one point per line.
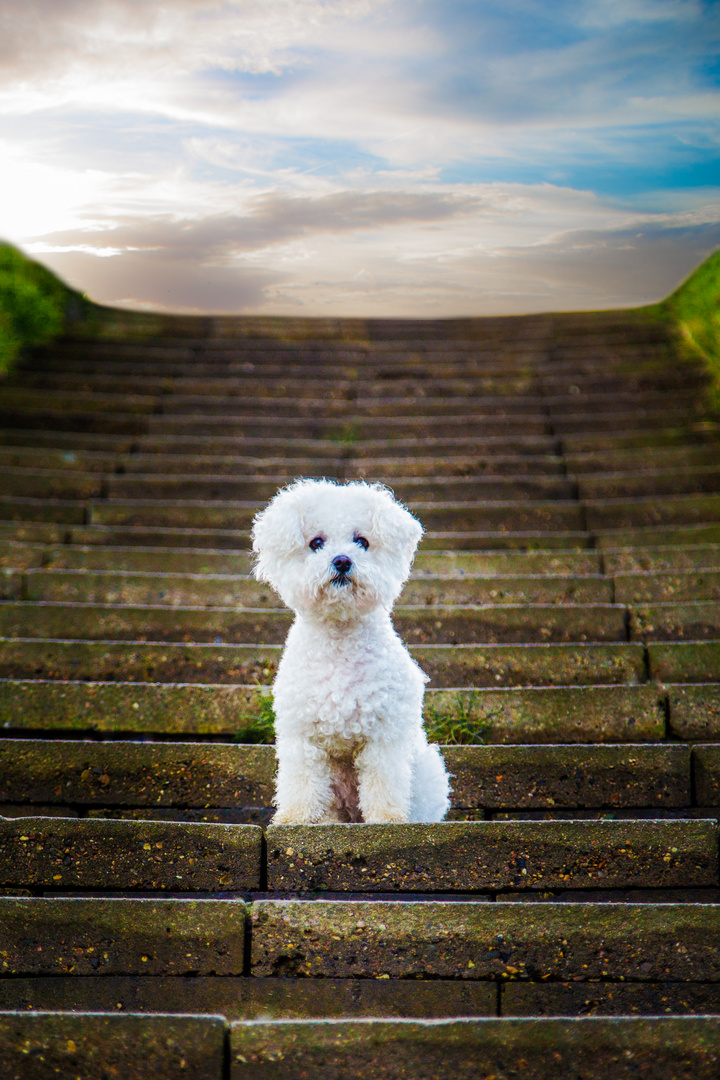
429	156
474	250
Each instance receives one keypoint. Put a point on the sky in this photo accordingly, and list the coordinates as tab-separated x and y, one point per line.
383	158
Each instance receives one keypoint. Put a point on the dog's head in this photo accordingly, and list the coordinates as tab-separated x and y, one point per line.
335	549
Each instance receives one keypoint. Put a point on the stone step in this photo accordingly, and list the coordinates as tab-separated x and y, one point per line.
407	489
61	854
479	445
691	620
66	484
480	942
700	478
427	563
342	429
239	539
65	854
550	391
635	437
619	461
597	421
447	665
482	624
232	590
156	587
475	941
684	662
541	516
22	555
238	998
85	376
105	937
679	536
492	855
661	559
464	714
259	998
196	776
51	511
280	469
682	1047
34	1046
689	585
606	514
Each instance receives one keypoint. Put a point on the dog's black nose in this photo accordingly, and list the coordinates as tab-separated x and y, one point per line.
342	564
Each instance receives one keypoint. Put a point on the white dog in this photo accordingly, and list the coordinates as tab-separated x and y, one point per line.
348	695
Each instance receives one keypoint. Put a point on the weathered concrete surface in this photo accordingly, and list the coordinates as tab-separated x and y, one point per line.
135	661
175	589
478	1049
488	516
594	1049
692	621
154	560
239	998
77	937
47	511
706	774
662	559
492	855
188	775
355	939
695	712
633	513
147	708
59	853
36	1046
93	622
684	662
136	773
667	587
609	999
202	662
567	714
562	776
530	665
472	623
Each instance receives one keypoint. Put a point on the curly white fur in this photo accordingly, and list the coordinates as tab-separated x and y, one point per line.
348	695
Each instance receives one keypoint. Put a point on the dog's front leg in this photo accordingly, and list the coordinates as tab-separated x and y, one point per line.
384	781
303	792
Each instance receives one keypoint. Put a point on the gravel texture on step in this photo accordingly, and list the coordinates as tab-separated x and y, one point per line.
595	1049
492	855
144	937
62	854
36	1046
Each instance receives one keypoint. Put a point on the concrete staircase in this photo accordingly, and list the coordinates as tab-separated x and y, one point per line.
566	604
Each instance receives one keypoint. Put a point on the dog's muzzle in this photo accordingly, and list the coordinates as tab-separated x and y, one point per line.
342	566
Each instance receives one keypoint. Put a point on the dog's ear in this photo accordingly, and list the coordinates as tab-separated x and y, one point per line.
277	532
396	525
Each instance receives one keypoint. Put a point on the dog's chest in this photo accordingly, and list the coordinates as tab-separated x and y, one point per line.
343	690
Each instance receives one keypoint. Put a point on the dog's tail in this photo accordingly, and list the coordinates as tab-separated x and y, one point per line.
430	800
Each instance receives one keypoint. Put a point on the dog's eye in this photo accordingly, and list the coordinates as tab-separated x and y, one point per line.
316	543
361	541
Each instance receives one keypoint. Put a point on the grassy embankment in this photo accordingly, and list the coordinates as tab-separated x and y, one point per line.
34	305
693	310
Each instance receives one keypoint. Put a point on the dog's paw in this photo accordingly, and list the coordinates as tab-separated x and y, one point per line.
291	816
390	816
